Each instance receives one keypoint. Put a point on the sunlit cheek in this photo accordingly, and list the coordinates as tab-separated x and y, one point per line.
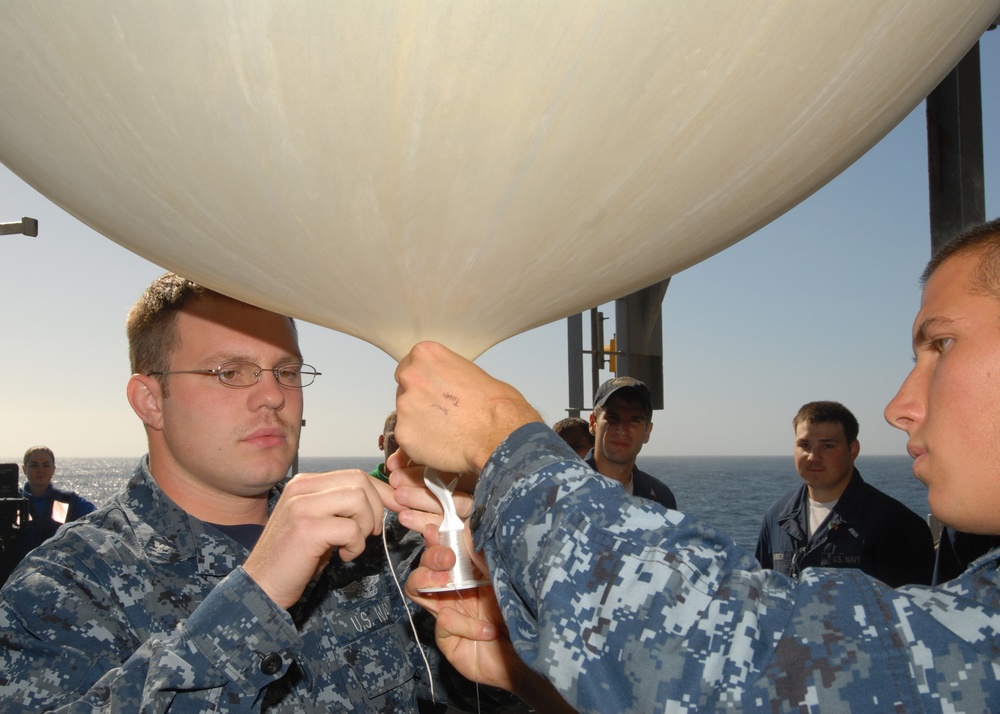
988	506
961	476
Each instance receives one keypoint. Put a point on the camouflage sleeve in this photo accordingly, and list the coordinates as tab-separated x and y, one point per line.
590	584
55	651
626	606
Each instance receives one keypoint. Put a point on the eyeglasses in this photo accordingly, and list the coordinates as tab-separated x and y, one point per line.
246	374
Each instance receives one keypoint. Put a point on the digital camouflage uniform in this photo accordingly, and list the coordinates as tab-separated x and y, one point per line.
142	607
626	606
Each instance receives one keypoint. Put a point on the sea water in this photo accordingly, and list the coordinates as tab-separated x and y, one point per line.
729	492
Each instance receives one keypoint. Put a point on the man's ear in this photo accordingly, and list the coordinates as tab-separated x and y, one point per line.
855	449
145	394
593	422
649	430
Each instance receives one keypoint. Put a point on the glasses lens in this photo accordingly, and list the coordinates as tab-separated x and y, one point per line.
239	374
246	374
305	376
289	375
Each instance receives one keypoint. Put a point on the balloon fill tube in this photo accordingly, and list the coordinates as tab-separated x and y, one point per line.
462	575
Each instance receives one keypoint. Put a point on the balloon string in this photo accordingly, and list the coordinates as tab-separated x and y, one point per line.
413	626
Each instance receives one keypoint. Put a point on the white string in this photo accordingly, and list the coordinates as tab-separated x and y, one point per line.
413	626
402	595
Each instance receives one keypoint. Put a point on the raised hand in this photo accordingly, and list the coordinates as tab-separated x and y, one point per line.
451	415
471	633
316	515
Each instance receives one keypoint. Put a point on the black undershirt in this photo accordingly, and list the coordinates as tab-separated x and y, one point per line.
246	534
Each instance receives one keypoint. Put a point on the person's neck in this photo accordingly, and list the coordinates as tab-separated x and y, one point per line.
622	473
210	505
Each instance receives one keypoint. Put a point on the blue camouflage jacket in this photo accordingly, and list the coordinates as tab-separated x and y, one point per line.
142	607
629	607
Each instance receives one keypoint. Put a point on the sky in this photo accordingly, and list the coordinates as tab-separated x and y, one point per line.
816	305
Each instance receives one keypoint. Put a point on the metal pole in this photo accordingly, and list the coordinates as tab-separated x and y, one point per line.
955	152
596	348
574	344
26	226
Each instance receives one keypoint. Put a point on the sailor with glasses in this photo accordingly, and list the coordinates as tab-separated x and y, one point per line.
198	588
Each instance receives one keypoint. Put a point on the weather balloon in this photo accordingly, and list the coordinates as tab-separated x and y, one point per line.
461	171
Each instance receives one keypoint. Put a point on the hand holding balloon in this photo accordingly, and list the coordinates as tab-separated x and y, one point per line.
451	415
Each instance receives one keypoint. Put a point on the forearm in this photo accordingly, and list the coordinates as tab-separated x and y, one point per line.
603	593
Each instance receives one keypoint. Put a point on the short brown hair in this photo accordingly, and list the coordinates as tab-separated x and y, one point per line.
390	423
983	240
42	449
152	322
570	423
828	413
566	427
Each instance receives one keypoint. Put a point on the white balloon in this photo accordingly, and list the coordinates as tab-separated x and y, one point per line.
460	171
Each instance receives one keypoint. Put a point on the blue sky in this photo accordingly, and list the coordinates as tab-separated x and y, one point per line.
816	305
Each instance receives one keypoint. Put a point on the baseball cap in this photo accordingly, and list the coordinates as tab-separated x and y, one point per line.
605	391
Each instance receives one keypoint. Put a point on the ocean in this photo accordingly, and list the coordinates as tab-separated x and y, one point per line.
729	492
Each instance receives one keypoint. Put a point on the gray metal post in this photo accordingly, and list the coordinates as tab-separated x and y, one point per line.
26	226
596	348
955	151
574	344
639	331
